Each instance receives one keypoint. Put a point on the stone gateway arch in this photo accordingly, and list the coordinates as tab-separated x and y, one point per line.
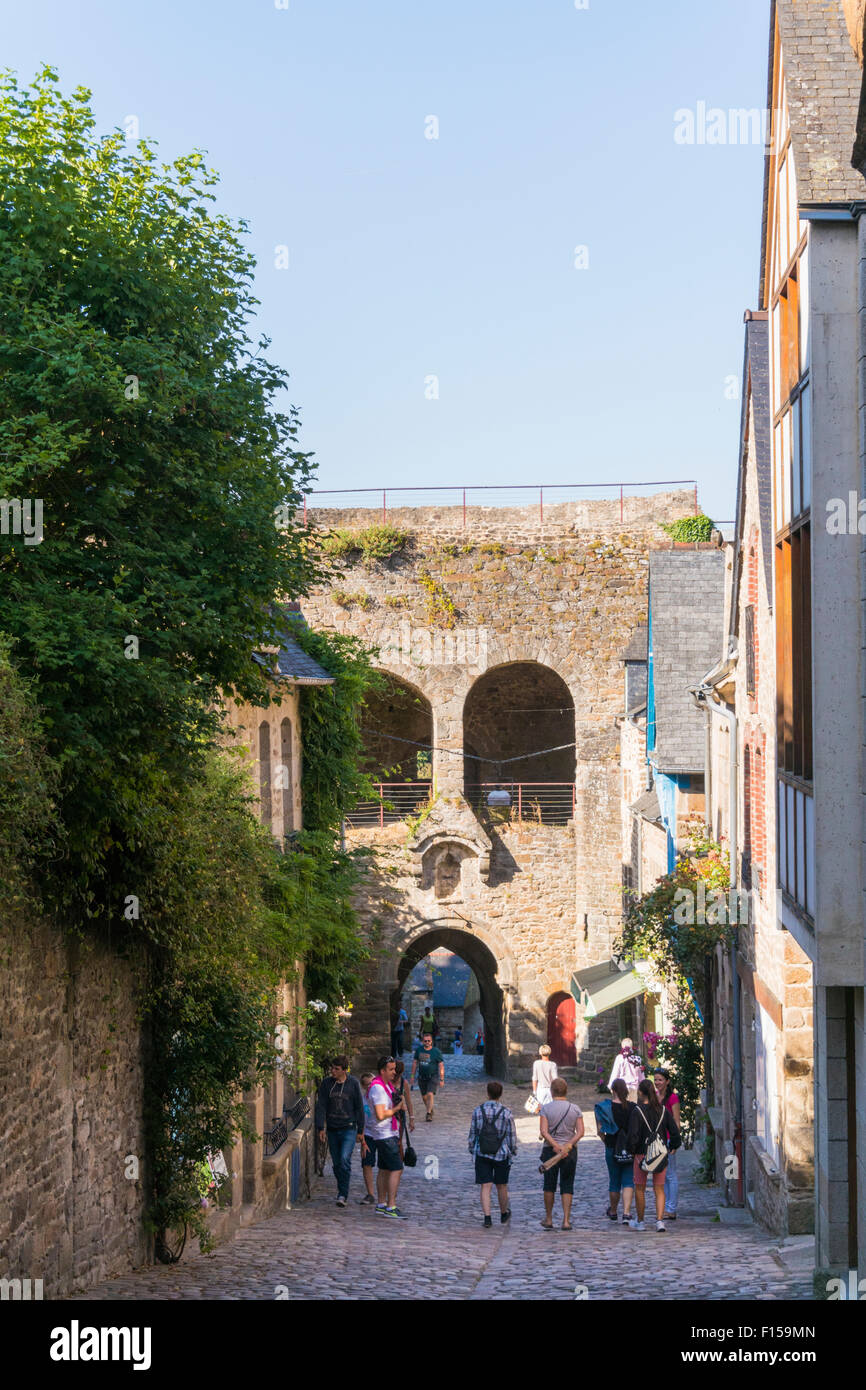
496	824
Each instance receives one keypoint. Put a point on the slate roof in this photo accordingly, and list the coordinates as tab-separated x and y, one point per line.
637	645
822	79
450	983
687	595
647	805
450	980
292	662
756	377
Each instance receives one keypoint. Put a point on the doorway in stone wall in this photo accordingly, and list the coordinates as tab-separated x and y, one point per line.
561	1029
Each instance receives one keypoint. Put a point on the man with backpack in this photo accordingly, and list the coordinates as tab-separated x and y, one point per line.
493	1145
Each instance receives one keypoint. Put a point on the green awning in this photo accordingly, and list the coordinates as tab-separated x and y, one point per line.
602	987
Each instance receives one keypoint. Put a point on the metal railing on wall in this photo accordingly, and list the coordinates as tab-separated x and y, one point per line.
395	801
381	500
545	803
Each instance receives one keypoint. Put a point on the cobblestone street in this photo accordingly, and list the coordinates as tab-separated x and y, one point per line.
441	1249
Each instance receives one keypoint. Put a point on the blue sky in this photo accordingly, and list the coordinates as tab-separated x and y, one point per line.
411	257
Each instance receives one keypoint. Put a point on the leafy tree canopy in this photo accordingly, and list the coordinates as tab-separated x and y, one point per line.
135	407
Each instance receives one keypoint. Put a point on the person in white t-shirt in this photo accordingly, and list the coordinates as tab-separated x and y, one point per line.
543	1073
381	1131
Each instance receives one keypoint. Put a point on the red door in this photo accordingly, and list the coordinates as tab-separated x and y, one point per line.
560	1029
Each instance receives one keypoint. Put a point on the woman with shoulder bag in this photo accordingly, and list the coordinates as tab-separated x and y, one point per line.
652	1133
620	1164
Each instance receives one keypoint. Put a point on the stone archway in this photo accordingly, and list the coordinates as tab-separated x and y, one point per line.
491	971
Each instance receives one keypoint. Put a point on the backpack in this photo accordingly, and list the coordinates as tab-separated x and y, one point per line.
656	1156
489	1138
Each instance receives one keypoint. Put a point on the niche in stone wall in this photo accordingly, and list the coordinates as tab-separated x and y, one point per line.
445	870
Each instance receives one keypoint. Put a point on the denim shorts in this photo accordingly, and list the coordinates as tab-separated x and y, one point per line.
385	1152
620	1175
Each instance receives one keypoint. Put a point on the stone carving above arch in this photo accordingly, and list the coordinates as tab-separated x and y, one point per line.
449	831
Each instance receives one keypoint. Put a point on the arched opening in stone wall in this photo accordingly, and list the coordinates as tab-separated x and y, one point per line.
518	736
482	1004
398	741
398	733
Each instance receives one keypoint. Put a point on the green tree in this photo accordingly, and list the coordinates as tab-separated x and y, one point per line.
136	408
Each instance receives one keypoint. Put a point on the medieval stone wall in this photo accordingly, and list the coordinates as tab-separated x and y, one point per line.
70	1111
460	604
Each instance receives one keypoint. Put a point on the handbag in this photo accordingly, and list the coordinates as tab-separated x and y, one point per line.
532	1104
409	1156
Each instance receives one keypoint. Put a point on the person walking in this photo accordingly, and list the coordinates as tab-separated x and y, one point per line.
612	1121
493	1145
340	1118
398	1031
544	1072
425	1063
368	1150
671	1102
479	1042
428	1022
382	1131
561	1129
650	1127
628	1065
458	1042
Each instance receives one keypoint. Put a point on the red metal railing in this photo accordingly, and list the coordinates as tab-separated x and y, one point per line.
546	803
461	496
395	802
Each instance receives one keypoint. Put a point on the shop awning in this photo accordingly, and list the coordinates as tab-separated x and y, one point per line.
602	987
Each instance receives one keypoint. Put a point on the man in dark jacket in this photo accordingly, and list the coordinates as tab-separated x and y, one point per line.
340	1116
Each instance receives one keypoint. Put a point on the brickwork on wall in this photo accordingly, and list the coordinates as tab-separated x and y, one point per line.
70	1111
535	901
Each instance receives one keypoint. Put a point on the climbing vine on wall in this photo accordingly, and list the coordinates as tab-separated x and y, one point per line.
677	926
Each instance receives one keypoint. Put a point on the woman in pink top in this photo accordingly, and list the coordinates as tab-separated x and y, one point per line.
627	1067
671	1102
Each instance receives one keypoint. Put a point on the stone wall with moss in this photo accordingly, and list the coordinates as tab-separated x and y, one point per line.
452	603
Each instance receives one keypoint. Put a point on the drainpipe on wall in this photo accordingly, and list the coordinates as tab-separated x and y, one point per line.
703	698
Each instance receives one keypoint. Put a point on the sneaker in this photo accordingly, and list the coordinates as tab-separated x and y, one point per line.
380	1208
660	1225
394	1212
488	1221
341	1201
611	1215
636	1225
367	1201
429	1116
505	1216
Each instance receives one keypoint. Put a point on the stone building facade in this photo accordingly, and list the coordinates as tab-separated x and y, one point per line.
761	1075
505	628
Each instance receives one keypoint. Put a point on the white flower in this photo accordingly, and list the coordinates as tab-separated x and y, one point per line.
319	1005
